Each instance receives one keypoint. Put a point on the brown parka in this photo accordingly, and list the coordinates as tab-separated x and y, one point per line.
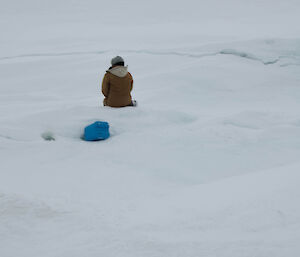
116	87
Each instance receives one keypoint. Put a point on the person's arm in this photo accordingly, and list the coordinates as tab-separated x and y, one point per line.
105	85
131	85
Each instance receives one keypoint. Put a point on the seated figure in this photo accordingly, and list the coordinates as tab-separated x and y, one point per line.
117	85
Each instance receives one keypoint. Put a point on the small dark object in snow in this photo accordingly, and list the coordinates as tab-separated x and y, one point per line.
48	136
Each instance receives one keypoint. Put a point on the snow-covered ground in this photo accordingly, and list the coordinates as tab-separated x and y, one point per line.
207	164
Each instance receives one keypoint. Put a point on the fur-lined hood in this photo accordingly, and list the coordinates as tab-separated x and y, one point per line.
119	71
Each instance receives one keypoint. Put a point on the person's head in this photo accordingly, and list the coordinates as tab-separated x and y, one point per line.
117	61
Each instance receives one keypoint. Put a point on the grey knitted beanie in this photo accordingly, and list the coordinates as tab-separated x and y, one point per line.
116	60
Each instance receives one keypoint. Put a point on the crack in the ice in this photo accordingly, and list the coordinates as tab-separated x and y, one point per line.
248	56
50	54
289	64
221	52
171	53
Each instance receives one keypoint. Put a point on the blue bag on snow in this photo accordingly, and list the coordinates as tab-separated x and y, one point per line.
99	130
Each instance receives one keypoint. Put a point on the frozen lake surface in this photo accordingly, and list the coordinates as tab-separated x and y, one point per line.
206	165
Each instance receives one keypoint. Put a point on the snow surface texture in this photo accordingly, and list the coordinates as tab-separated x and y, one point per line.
206	165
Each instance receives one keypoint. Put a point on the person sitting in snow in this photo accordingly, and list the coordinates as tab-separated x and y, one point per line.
117	85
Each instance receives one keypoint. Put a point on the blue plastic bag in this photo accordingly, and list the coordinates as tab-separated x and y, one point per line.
99	130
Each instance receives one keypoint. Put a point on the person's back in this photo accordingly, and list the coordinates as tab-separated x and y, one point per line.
117	85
